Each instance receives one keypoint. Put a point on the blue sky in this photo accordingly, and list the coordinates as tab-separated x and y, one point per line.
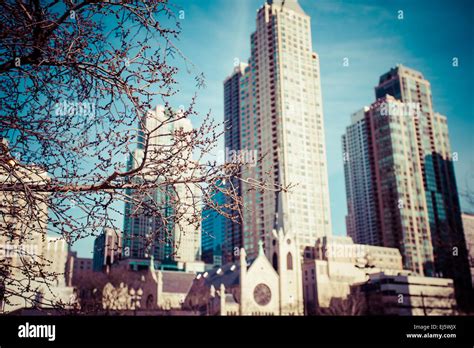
432	32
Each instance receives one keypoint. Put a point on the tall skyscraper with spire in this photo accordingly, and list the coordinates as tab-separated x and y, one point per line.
281	116
400	182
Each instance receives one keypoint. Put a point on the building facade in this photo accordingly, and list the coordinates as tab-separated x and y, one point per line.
131	292
468	225
169	237
362	219
33	263
23	226
233	228
281	117
253	286
402	293
413	199
55	253
78	268
334	264
107	249
214	226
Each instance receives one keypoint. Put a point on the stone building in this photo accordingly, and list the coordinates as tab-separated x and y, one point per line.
253	287
33	263
142	291
403	293
335	263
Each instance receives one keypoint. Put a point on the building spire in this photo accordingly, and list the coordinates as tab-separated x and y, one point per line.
260	247
152	263
278	225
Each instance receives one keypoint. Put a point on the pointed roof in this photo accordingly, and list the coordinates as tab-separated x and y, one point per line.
177	282
280	220
228	274
279	226
260	248
288	4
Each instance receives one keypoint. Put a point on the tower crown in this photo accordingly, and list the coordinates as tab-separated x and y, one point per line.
288	4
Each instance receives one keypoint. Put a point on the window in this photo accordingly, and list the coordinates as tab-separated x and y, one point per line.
289	261
149	302
275	261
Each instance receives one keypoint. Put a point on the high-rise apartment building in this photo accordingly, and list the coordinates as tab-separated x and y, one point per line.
33	263
23	234
468	225
170	237
403	211
232	233
281	117
212	231
400	179
55	253
24	217
361	220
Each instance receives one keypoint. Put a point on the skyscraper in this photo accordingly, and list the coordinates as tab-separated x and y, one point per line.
468	225
413	199
361	220
213	230
281	117
55	251
32	262
145	233
232	233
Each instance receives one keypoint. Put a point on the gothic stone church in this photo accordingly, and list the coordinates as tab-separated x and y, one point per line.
253	287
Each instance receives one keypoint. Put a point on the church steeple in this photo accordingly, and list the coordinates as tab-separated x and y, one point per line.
152	270
280	220
279	225
260	248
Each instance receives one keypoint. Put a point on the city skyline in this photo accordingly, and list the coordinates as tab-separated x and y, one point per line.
358	79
